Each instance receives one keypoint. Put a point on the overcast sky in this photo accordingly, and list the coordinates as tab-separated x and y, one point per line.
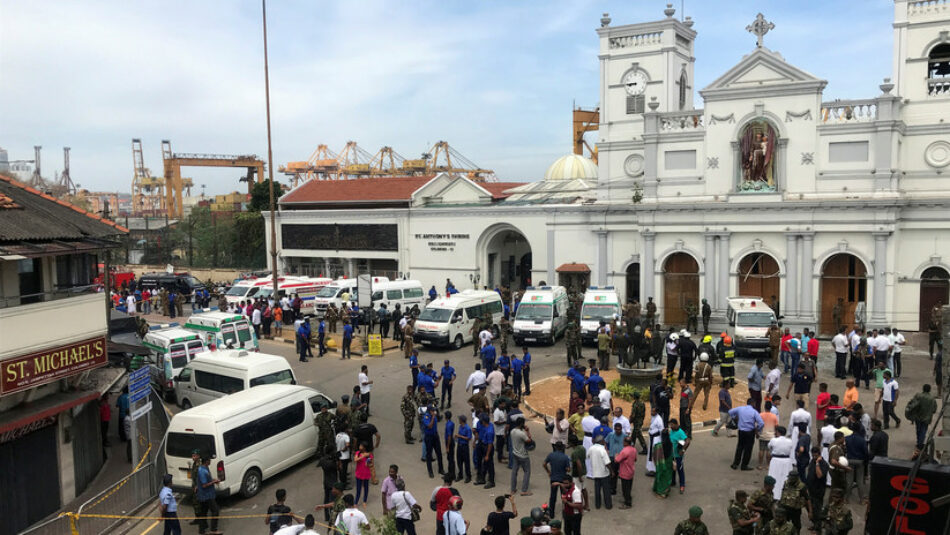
495	79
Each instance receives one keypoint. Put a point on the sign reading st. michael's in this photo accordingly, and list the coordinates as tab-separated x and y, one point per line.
28	371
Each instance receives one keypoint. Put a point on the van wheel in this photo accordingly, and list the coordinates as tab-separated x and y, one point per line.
251	484
185	404
457	344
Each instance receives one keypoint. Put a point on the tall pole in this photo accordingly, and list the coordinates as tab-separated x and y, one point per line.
270	162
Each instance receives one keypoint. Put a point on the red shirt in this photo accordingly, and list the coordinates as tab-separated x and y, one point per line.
442	497
824	399
813	347
785	339
576	405
105	412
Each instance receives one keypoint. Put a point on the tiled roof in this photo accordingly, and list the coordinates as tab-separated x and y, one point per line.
383	189
497	189
573	268
39	216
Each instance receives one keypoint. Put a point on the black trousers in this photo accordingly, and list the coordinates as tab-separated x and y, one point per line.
526	372
626	486
433	448
839	365
572	524
744	448
554	498
172	525
500	443
464	461
207	506
817	498
897	364
327	498
446	391
383	329
321	343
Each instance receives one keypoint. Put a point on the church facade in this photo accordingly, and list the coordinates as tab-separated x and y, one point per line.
770	190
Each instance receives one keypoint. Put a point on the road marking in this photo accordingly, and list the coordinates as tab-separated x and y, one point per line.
150	527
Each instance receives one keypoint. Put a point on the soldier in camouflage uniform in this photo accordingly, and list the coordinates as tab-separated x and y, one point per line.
836	515
794	499
638	411
741	518
476	328
332	315
325	440
762	502
193	474
179	302
650	311
573	342
780	525
504	329
163	299
692	316
692	525
408	409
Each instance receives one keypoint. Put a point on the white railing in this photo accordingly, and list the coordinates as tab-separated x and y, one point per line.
849	111
681	121
630	41
938	87
927	7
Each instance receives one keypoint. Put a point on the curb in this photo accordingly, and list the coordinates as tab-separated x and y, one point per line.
355	352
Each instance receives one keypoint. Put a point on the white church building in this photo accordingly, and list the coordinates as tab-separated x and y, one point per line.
771	189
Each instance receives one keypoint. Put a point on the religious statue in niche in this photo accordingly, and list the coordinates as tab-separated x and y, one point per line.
757	145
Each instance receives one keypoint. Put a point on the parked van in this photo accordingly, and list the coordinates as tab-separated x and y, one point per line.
749	320
182	283
223	329
448	320
405	292
251	435
600	304
541	315
215	374
170	349
333	293
246	289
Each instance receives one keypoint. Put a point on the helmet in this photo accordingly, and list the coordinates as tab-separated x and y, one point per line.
707	339
455	502
685	334
703	357
537	514
637	329
843	461
727	340
674	337
682	332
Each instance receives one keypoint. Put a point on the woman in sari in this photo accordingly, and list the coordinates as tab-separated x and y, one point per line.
663	458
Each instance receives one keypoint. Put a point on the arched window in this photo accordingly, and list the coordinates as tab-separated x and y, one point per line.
683	92
938	70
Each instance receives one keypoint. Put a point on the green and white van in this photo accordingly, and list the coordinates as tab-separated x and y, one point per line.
223	330
541	315
170	349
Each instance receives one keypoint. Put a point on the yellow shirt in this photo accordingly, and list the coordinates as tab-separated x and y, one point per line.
850	397
575	421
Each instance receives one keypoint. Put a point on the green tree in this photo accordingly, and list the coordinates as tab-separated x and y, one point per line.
260	196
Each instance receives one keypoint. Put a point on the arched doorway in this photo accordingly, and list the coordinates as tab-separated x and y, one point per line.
680	286
758	275
844	278
508	260
934	291
633	282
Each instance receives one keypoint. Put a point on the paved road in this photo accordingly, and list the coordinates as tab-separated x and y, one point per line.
710	481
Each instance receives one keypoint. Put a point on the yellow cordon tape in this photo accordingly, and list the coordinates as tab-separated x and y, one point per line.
125	480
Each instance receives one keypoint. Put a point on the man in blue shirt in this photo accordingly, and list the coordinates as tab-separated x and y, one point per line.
517	367
750	424
303	339
447	376
677	435
484	462
449	438
123	405
206	499
593	383
463	437
347	340
426	382
526	371
614	446
488	357
601	430
168	506
578	381
414	368
321	338
504	365
430	433
755	384
433	293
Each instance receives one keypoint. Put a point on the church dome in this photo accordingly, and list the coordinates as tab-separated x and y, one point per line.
572	167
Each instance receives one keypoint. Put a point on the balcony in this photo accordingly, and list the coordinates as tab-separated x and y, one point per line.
938	87
32	327
681	121
849	111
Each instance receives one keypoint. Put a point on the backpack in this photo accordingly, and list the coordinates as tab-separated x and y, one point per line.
912	410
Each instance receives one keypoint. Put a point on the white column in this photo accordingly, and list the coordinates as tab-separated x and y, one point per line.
550	260
351	268
647	269
807	304
709	272
878	301
790	299
723	301
601	257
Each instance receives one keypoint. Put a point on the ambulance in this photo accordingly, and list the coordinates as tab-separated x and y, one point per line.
749	320
170	349
247	289
447	321
334	293
541	316
223	330
600	304
304	287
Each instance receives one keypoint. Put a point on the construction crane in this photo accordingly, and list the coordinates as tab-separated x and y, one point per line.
64	186
386	162
175	184
354	161
452	161
36	180
148	192
321	165
585	121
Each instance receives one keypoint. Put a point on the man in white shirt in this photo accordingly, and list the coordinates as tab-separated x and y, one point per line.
604	396
483	338
365	387
130	304
342	440
495	381
656	427
889	397
599	471
882	348
299	529
476	380
588	424
772	382
351	520
452	520
840	344
619	418
897	340
799	415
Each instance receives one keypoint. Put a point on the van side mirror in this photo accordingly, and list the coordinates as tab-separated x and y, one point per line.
732	323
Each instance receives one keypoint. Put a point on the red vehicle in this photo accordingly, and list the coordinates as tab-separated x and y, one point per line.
116	278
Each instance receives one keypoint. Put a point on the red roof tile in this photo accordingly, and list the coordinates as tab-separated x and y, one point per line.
17	184
573	268
396	188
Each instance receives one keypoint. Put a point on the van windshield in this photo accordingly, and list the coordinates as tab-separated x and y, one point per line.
237	291
597	312
754	319
192	282
328	291
436	315
532	311
182	444
283	377
178	355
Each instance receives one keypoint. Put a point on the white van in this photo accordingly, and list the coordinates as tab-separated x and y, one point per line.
541	315
448	320
243	290
215	374
250	436
749	320
221	329
600	304
405	292
170	349
304	287
333	293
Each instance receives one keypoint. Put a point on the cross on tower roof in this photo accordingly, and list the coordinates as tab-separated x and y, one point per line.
759	27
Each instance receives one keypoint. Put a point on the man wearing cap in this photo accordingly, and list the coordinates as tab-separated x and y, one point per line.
168	506
334	508
706	312
193	476
687	352
762	501
692	525
703	378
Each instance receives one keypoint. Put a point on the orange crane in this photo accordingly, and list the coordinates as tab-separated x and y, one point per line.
148	192
460	165
386	162
320	166
174	183
585	121
354	161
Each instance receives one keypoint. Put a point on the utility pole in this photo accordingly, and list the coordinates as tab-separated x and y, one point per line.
270	161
